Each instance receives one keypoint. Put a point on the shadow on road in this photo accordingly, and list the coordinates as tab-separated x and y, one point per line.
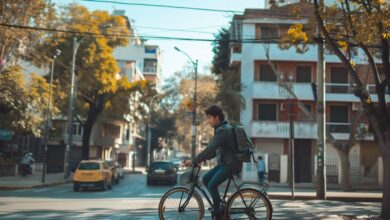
85	214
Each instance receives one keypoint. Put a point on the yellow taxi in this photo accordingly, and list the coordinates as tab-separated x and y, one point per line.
92	173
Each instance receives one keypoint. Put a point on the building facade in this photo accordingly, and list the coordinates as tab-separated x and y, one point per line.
269	107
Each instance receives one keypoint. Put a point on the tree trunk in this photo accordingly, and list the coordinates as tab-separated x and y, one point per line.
345	170
94	110
385	214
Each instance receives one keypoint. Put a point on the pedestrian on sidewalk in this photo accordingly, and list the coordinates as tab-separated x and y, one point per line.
26	163
222	147
260	169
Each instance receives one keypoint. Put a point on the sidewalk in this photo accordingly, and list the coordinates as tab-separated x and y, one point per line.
31	181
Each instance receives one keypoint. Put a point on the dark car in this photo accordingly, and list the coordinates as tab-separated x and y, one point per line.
161	172
115	169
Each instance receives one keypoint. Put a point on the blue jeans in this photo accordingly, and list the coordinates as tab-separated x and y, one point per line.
261	177
213	179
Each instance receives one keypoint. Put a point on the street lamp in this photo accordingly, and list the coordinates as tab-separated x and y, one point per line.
57	53
149	159
195	64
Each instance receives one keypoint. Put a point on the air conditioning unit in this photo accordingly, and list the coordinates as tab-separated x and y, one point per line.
356	106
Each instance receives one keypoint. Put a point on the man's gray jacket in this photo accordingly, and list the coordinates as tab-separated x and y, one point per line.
223	147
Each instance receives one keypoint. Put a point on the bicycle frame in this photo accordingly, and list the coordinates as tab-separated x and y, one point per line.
195	186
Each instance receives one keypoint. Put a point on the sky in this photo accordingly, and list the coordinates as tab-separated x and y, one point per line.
192	24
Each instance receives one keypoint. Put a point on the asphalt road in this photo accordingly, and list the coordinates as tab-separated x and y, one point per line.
132	199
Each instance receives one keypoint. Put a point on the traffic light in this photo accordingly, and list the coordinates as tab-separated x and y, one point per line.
314	90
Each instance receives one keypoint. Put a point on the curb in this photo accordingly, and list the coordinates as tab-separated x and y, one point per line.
35	186
330	198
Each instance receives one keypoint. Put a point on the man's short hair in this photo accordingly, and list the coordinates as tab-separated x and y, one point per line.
215	110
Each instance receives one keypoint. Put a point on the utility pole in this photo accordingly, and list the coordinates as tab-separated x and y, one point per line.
321	116
76	44
193	149
291	147
48	116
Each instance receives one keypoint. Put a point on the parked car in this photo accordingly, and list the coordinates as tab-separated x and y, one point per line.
177	163
114	166
92	173
161	171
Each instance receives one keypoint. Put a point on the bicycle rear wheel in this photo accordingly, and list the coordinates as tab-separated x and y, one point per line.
250	204
170	202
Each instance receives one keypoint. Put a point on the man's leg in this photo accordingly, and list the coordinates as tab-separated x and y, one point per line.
222	174
206	178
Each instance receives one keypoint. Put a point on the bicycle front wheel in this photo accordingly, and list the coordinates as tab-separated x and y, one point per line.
250	204
171	201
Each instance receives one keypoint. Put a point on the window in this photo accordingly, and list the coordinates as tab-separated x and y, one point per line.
339	113
304	74
150	65
127	134
266	74
267	112
77	129
151	50
269	32
89	166
339	77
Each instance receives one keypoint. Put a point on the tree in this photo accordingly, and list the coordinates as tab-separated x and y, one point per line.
229	82
100	88
343	31
22	105
15	42
179	100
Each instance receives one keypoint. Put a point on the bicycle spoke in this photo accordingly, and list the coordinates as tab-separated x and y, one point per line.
248	204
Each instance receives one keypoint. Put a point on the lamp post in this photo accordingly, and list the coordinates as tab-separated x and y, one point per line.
195	64
48	113
76	44
149	159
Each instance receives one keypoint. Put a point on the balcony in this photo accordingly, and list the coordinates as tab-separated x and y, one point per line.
302	130
271	90
235	56
150	69
334	91
277	129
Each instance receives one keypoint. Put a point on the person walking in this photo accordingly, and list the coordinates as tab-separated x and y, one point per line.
222	147
260	169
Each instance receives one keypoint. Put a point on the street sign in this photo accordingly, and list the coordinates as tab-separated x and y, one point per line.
6	134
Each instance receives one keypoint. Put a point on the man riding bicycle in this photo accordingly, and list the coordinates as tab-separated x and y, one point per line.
222	147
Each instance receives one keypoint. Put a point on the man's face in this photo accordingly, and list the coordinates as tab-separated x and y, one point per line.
213	120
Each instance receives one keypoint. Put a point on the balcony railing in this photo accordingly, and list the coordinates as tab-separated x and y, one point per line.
150	69
302	130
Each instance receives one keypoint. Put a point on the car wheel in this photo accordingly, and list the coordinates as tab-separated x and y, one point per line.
104	186
110	186
76	187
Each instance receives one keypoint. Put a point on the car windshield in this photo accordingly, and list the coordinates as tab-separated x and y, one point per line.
161	165
89	166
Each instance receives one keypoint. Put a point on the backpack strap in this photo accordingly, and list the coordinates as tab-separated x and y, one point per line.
234	137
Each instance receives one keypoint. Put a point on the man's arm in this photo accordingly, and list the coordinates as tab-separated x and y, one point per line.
211	150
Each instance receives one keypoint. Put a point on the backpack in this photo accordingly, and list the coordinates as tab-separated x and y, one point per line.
244	147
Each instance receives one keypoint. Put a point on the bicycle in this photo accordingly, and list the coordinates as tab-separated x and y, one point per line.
186	203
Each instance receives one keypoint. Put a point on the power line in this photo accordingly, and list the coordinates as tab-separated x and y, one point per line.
164	6
253	40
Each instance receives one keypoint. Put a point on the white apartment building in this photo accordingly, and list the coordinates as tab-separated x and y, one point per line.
137	60
266	115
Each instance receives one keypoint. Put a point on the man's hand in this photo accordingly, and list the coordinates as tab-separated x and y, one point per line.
186	163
